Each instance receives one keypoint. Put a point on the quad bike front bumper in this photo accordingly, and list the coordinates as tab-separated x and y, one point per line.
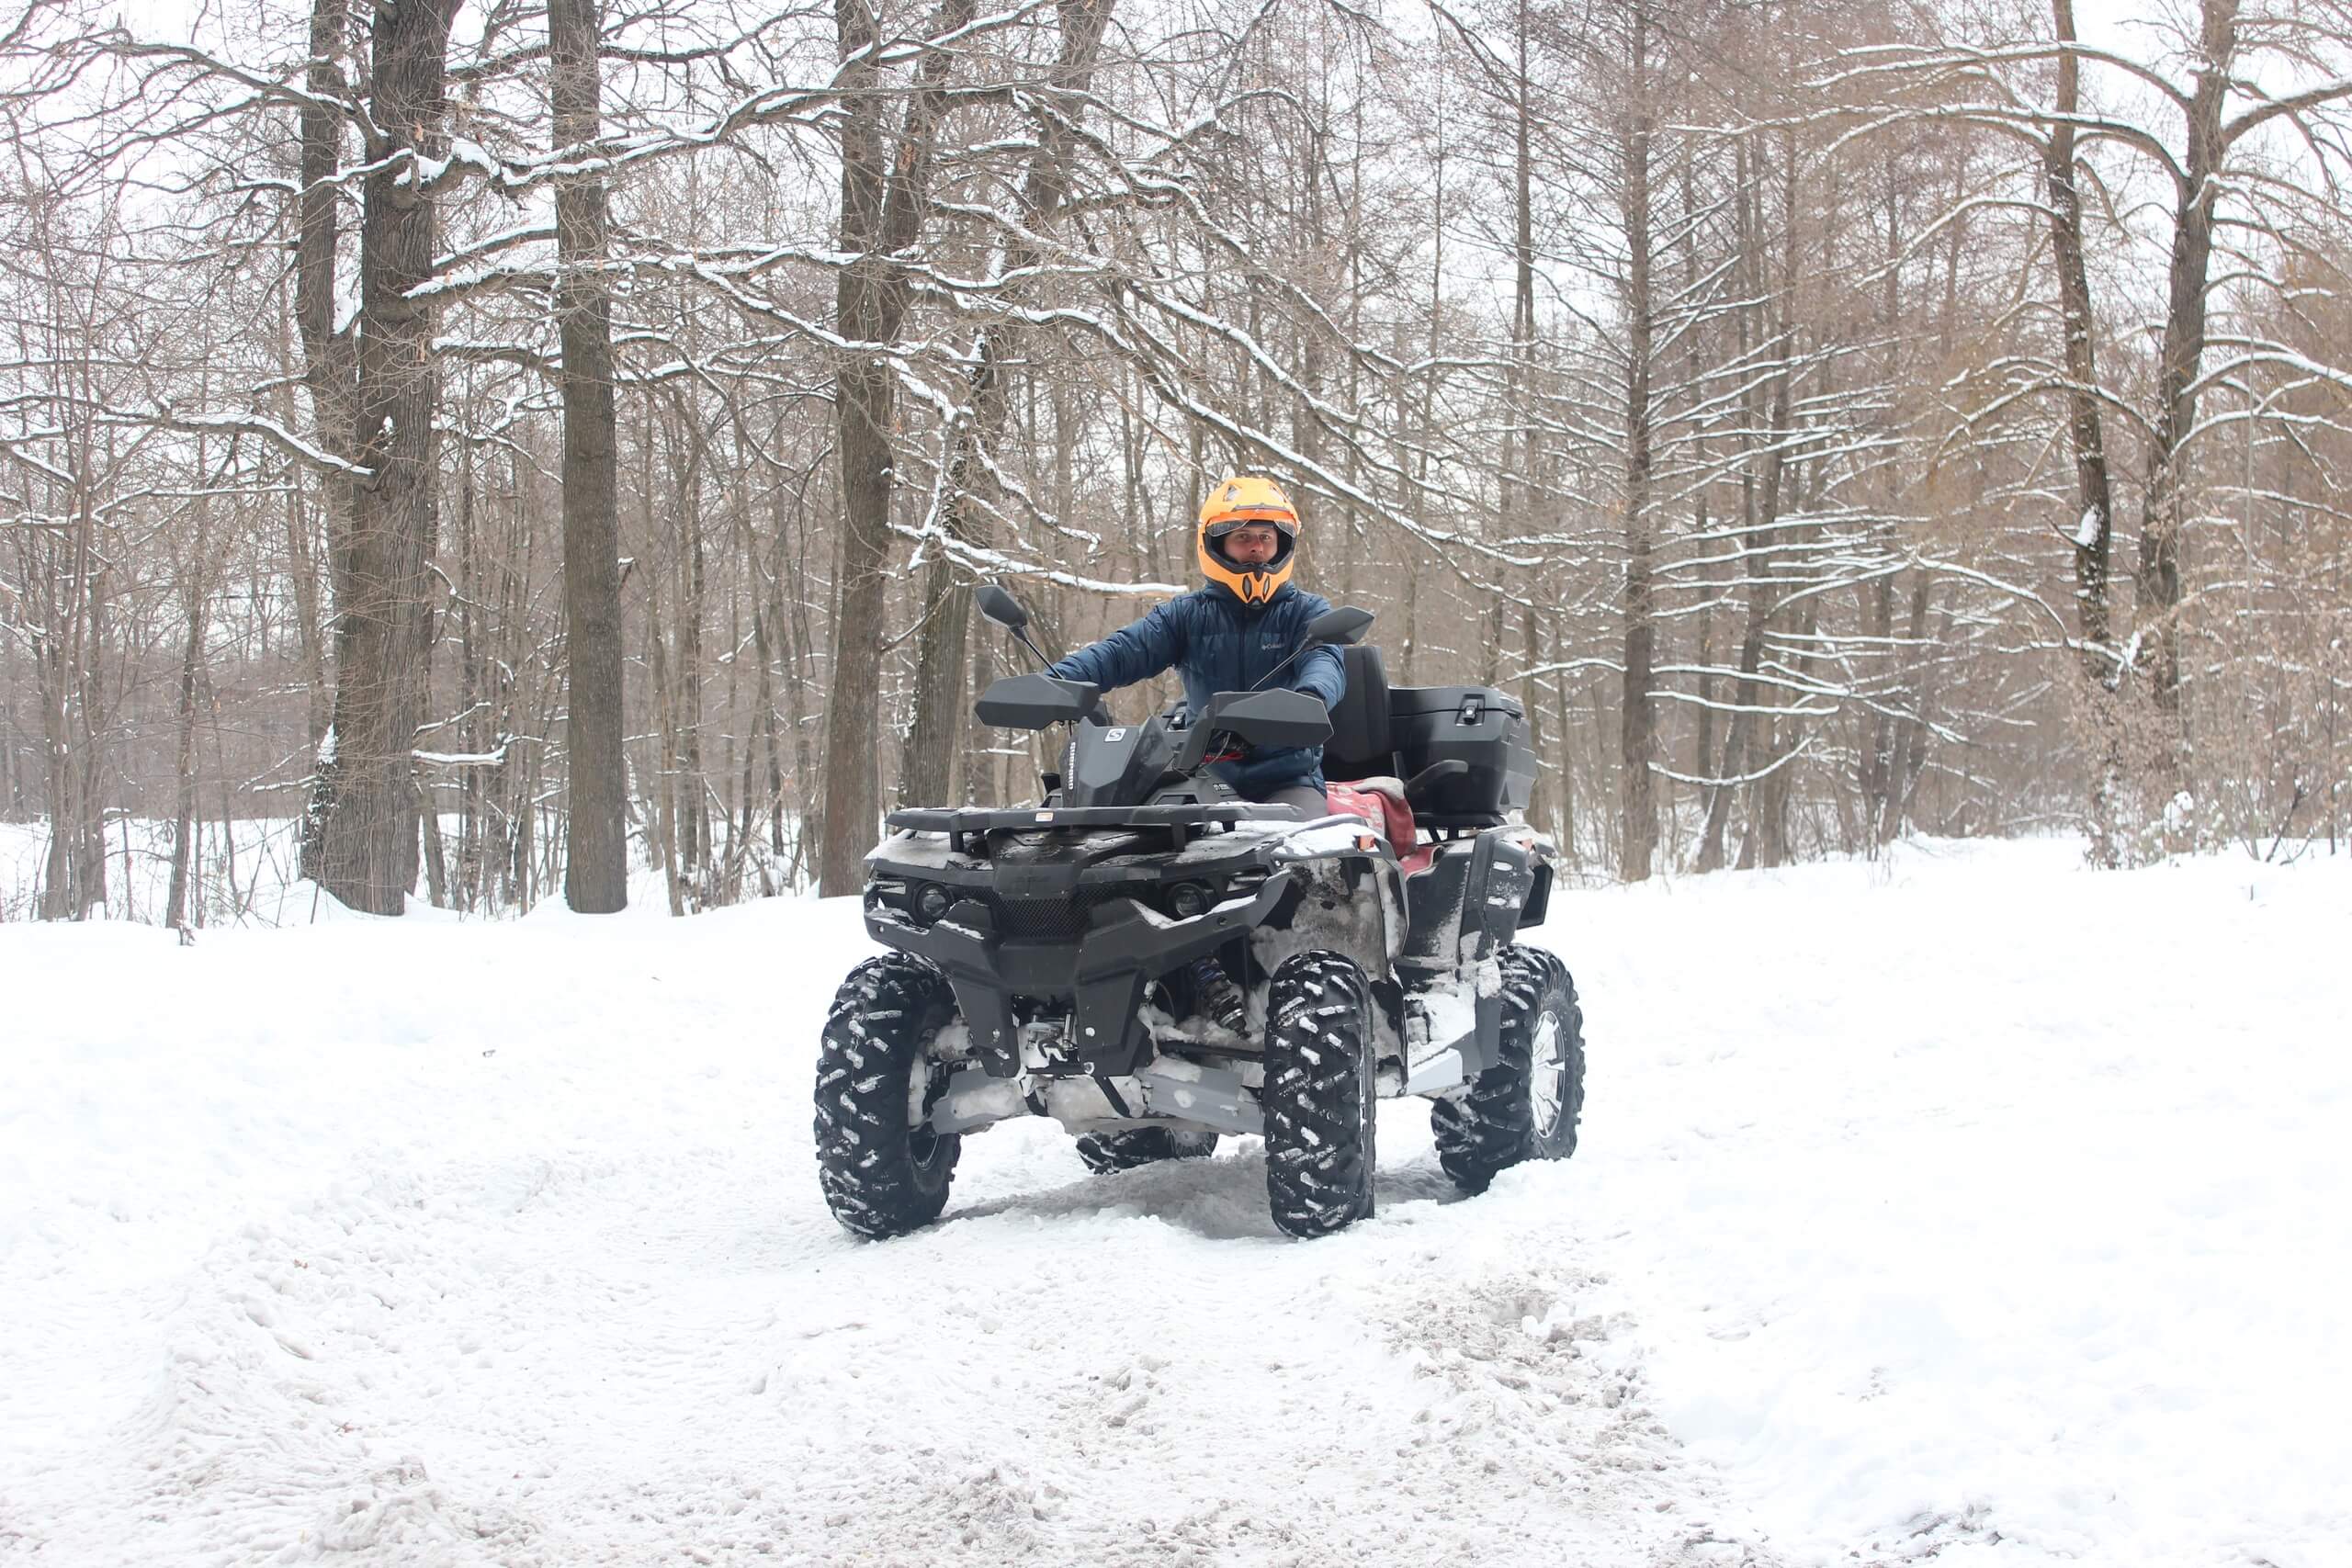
1104	967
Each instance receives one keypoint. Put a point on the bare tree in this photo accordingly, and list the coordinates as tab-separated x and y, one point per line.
886	175
596	866
965	492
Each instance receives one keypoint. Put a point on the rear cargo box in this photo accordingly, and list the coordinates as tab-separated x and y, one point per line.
1475	724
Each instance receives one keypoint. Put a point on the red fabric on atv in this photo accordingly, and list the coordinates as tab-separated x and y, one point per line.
1383	810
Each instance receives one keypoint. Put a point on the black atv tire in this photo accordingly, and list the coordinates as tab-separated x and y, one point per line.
1321	1095
1128	1147
883	1171
1522	1108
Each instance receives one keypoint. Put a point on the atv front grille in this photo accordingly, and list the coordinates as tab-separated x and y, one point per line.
1059	919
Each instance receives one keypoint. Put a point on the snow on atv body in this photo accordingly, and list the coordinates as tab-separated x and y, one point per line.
1043	959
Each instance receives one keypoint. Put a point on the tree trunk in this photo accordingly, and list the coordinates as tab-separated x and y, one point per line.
929	755
1909	756
595	876
2157	579
330	372
65	577
883	201
1877	761
1760	507
1637	719
862	392
1531	693
364	806
73	877
1766	834
692	790
2092	526
792	525
1702	744
183	817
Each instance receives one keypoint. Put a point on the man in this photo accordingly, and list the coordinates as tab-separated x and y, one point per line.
1231	633
1227	635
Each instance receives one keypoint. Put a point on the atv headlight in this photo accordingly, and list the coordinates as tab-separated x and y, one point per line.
1187	899
931	901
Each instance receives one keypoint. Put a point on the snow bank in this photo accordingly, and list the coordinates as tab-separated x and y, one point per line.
1987	1205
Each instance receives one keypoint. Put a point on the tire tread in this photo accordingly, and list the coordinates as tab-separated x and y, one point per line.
884	1014
1485	1128
1320	1157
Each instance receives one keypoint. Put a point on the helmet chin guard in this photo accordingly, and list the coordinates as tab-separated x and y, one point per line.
1236	501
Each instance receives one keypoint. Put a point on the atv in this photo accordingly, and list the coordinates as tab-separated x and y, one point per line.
1047	961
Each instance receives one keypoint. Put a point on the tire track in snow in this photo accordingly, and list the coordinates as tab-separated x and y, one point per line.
577	1302
675	1356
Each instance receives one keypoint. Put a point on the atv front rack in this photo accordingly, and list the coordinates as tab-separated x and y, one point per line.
1179	820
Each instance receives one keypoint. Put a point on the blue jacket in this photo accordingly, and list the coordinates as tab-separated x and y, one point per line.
1218	643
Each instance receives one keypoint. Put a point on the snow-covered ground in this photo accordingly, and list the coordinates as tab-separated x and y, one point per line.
1971	1206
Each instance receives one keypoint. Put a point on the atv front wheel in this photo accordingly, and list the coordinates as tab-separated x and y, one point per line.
1128	1147
883	1169
1321	1095
1525	1106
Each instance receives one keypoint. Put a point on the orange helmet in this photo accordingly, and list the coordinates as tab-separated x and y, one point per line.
1238	500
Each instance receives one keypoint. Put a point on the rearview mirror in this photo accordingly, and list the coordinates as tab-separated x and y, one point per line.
1000	607
1342	626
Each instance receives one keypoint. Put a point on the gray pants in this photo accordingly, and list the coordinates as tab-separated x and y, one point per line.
1308	799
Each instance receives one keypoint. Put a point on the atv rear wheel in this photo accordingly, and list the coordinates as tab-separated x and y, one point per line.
1128	1147
1525	1106
1321	1095
883	1169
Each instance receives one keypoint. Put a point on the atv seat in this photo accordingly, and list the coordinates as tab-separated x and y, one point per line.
1360	746
1360	759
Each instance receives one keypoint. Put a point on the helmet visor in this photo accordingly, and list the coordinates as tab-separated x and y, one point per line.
1281	523
1219	542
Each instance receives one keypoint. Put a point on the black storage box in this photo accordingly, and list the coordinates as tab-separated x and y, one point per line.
1475	724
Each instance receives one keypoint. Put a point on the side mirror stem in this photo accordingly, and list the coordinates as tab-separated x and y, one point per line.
1304	650
1005	610
1342	626
1022	637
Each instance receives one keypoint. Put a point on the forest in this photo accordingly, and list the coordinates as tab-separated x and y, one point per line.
492	452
